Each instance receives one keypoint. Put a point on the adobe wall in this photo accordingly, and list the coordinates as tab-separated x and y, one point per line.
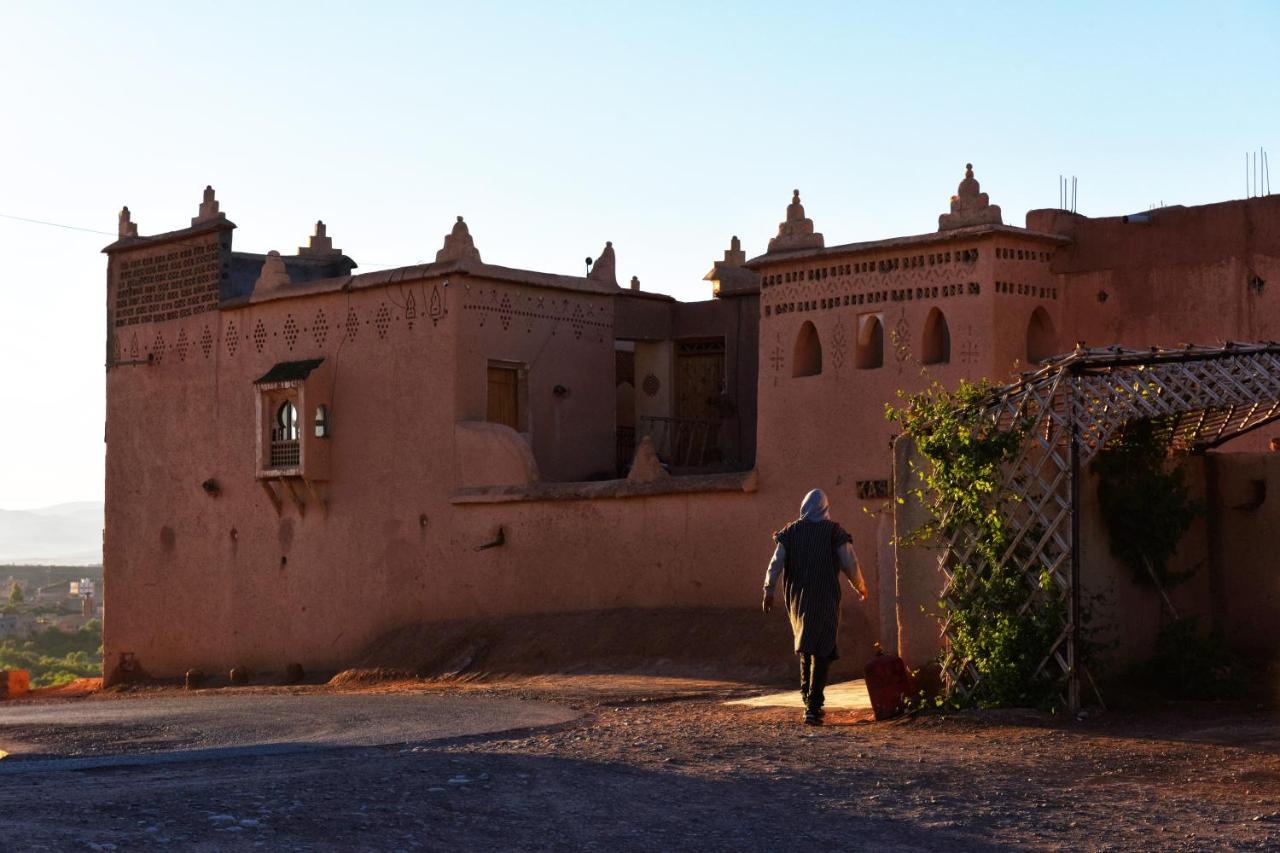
565	341
217	581
1171	276
829	430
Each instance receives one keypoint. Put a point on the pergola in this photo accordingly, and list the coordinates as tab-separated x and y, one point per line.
1197	398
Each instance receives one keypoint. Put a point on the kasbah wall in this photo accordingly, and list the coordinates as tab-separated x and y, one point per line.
389	528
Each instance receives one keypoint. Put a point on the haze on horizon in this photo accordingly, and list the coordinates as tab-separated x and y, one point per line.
556	127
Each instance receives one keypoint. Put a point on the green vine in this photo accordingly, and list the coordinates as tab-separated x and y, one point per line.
1146	506
962	487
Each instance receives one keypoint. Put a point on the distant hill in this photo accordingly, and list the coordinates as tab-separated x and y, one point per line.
67	534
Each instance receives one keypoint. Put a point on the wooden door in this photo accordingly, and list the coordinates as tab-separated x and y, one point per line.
699	380
504	396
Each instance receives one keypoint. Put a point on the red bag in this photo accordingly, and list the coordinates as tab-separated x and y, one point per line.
888	683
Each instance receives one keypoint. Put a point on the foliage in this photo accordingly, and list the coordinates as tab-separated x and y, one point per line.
55	657
963	488
1190	665
1146	507
15	595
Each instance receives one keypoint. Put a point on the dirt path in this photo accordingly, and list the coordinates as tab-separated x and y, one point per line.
671	766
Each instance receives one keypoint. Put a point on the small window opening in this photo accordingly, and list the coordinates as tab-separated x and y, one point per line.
322	421
808	353
870	352
937	339
285	452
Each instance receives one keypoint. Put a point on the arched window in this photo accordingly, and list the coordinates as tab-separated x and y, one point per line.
1042	339
808	354
936	348
870	352
287	422
322	421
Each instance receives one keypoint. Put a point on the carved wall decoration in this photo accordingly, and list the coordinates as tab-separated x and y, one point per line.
651	385
157	347
206	342
166	287
970	348
410	309
181	346
901	339
505	311
839	345
353	324
133	347
382	320
233	338
436	310
290	331
259	336
320	327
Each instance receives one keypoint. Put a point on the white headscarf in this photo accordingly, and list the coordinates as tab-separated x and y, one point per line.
814	507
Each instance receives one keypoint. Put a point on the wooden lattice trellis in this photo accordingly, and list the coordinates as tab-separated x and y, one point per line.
1198	398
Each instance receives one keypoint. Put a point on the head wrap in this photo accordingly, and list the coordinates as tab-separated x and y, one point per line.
814	507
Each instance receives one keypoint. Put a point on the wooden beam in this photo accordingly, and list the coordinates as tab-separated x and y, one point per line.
271	493
299	500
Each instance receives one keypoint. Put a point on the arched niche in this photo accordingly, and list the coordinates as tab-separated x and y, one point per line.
807	359
870	351
936	346
1042	338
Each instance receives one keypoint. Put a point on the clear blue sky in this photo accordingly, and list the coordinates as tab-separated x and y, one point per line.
554	127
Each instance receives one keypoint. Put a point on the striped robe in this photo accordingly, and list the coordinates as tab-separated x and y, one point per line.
811	583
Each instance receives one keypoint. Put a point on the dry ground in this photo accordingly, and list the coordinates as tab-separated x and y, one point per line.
663	764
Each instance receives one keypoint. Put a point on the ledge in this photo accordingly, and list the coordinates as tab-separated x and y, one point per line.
744	481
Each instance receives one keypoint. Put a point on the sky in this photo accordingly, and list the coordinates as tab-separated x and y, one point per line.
553	127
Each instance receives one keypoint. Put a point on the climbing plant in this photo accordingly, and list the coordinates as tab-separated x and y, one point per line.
996	622
1146	506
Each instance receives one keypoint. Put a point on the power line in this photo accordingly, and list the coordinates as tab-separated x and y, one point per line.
55	224
178	242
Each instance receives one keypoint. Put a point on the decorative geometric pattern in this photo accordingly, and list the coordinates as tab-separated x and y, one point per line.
1197	397
320	327
233	338
259	336
651	385
181	346
290	331
382	320
206	342
157	347
353	323
839	346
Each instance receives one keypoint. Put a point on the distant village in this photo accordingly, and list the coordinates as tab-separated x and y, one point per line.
34	598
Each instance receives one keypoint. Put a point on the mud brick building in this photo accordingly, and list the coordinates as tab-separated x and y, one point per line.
301	457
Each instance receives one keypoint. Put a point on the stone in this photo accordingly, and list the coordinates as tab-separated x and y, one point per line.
797	231
969	206
194	679
458	245
239	675
273	276
606	267
320	245
127	227
208	208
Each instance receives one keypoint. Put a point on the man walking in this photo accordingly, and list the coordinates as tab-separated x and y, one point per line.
811	553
